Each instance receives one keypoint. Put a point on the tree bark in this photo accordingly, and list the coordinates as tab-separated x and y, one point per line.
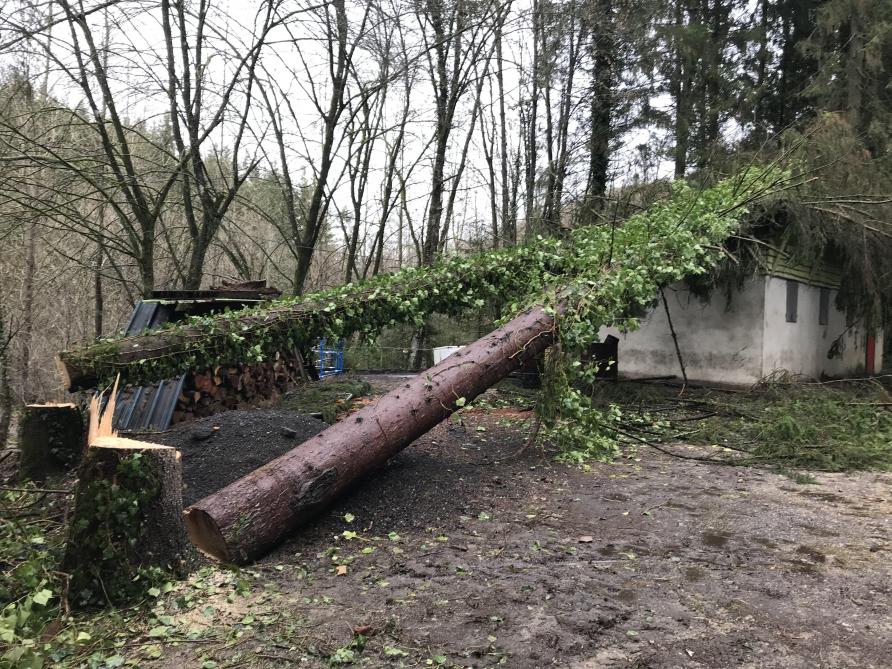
509	224
51	439
27	329
5	386
5	402
127	521
245	519
531	129
603	48
680	89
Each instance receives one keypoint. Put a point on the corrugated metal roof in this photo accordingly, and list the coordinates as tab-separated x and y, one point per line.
781	264
145	408
148	316
151	407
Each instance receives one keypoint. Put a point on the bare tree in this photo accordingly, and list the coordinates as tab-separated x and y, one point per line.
456	35
207	191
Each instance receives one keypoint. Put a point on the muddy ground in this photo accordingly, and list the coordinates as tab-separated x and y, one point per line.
465	554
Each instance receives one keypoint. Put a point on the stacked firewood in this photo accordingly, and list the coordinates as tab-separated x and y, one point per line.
245	385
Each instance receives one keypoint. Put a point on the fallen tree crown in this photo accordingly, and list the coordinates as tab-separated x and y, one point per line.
677	237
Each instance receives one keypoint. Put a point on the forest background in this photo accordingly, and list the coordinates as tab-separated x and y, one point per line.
170	144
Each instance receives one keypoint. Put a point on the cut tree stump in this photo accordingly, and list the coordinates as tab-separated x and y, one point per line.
127	526
248	517
51	439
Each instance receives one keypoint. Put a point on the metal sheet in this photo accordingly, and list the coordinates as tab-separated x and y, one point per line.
147	407
148	316
151	407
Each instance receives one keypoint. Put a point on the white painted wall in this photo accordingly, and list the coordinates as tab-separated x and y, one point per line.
720	342
741	342
802	347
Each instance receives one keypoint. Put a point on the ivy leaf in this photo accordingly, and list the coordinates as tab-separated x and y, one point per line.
460	402
393	651
42	597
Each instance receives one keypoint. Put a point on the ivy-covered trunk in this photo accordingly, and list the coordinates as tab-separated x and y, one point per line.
127	528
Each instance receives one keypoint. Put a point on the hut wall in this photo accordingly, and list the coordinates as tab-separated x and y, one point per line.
804	347
720	341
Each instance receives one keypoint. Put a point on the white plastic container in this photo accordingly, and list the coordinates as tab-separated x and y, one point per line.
441	352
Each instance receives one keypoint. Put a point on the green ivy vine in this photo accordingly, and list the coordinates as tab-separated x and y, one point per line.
106	527
617	274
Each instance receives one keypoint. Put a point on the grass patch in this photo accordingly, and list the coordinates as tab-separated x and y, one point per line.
832	427
822	428
328	398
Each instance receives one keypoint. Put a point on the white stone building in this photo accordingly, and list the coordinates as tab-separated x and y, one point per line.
784	320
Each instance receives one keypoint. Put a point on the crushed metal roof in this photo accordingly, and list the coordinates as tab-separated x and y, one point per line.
151	407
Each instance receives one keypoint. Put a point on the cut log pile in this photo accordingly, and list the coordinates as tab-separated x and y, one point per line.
245	385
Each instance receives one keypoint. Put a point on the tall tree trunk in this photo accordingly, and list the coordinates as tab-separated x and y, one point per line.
759	112
488	145
509	222
603	47
532	121
681	92
5	386
26	336
98	295
783	86
197	256
435	212
147	261
854	69
6	402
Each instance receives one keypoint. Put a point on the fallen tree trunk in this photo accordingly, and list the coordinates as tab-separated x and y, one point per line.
248	517
280	327
127	526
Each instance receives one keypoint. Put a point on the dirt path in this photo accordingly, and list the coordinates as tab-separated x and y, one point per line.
467	556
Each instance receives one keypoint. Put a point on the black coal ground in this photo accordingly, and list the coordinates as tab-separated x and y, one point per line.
221	449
